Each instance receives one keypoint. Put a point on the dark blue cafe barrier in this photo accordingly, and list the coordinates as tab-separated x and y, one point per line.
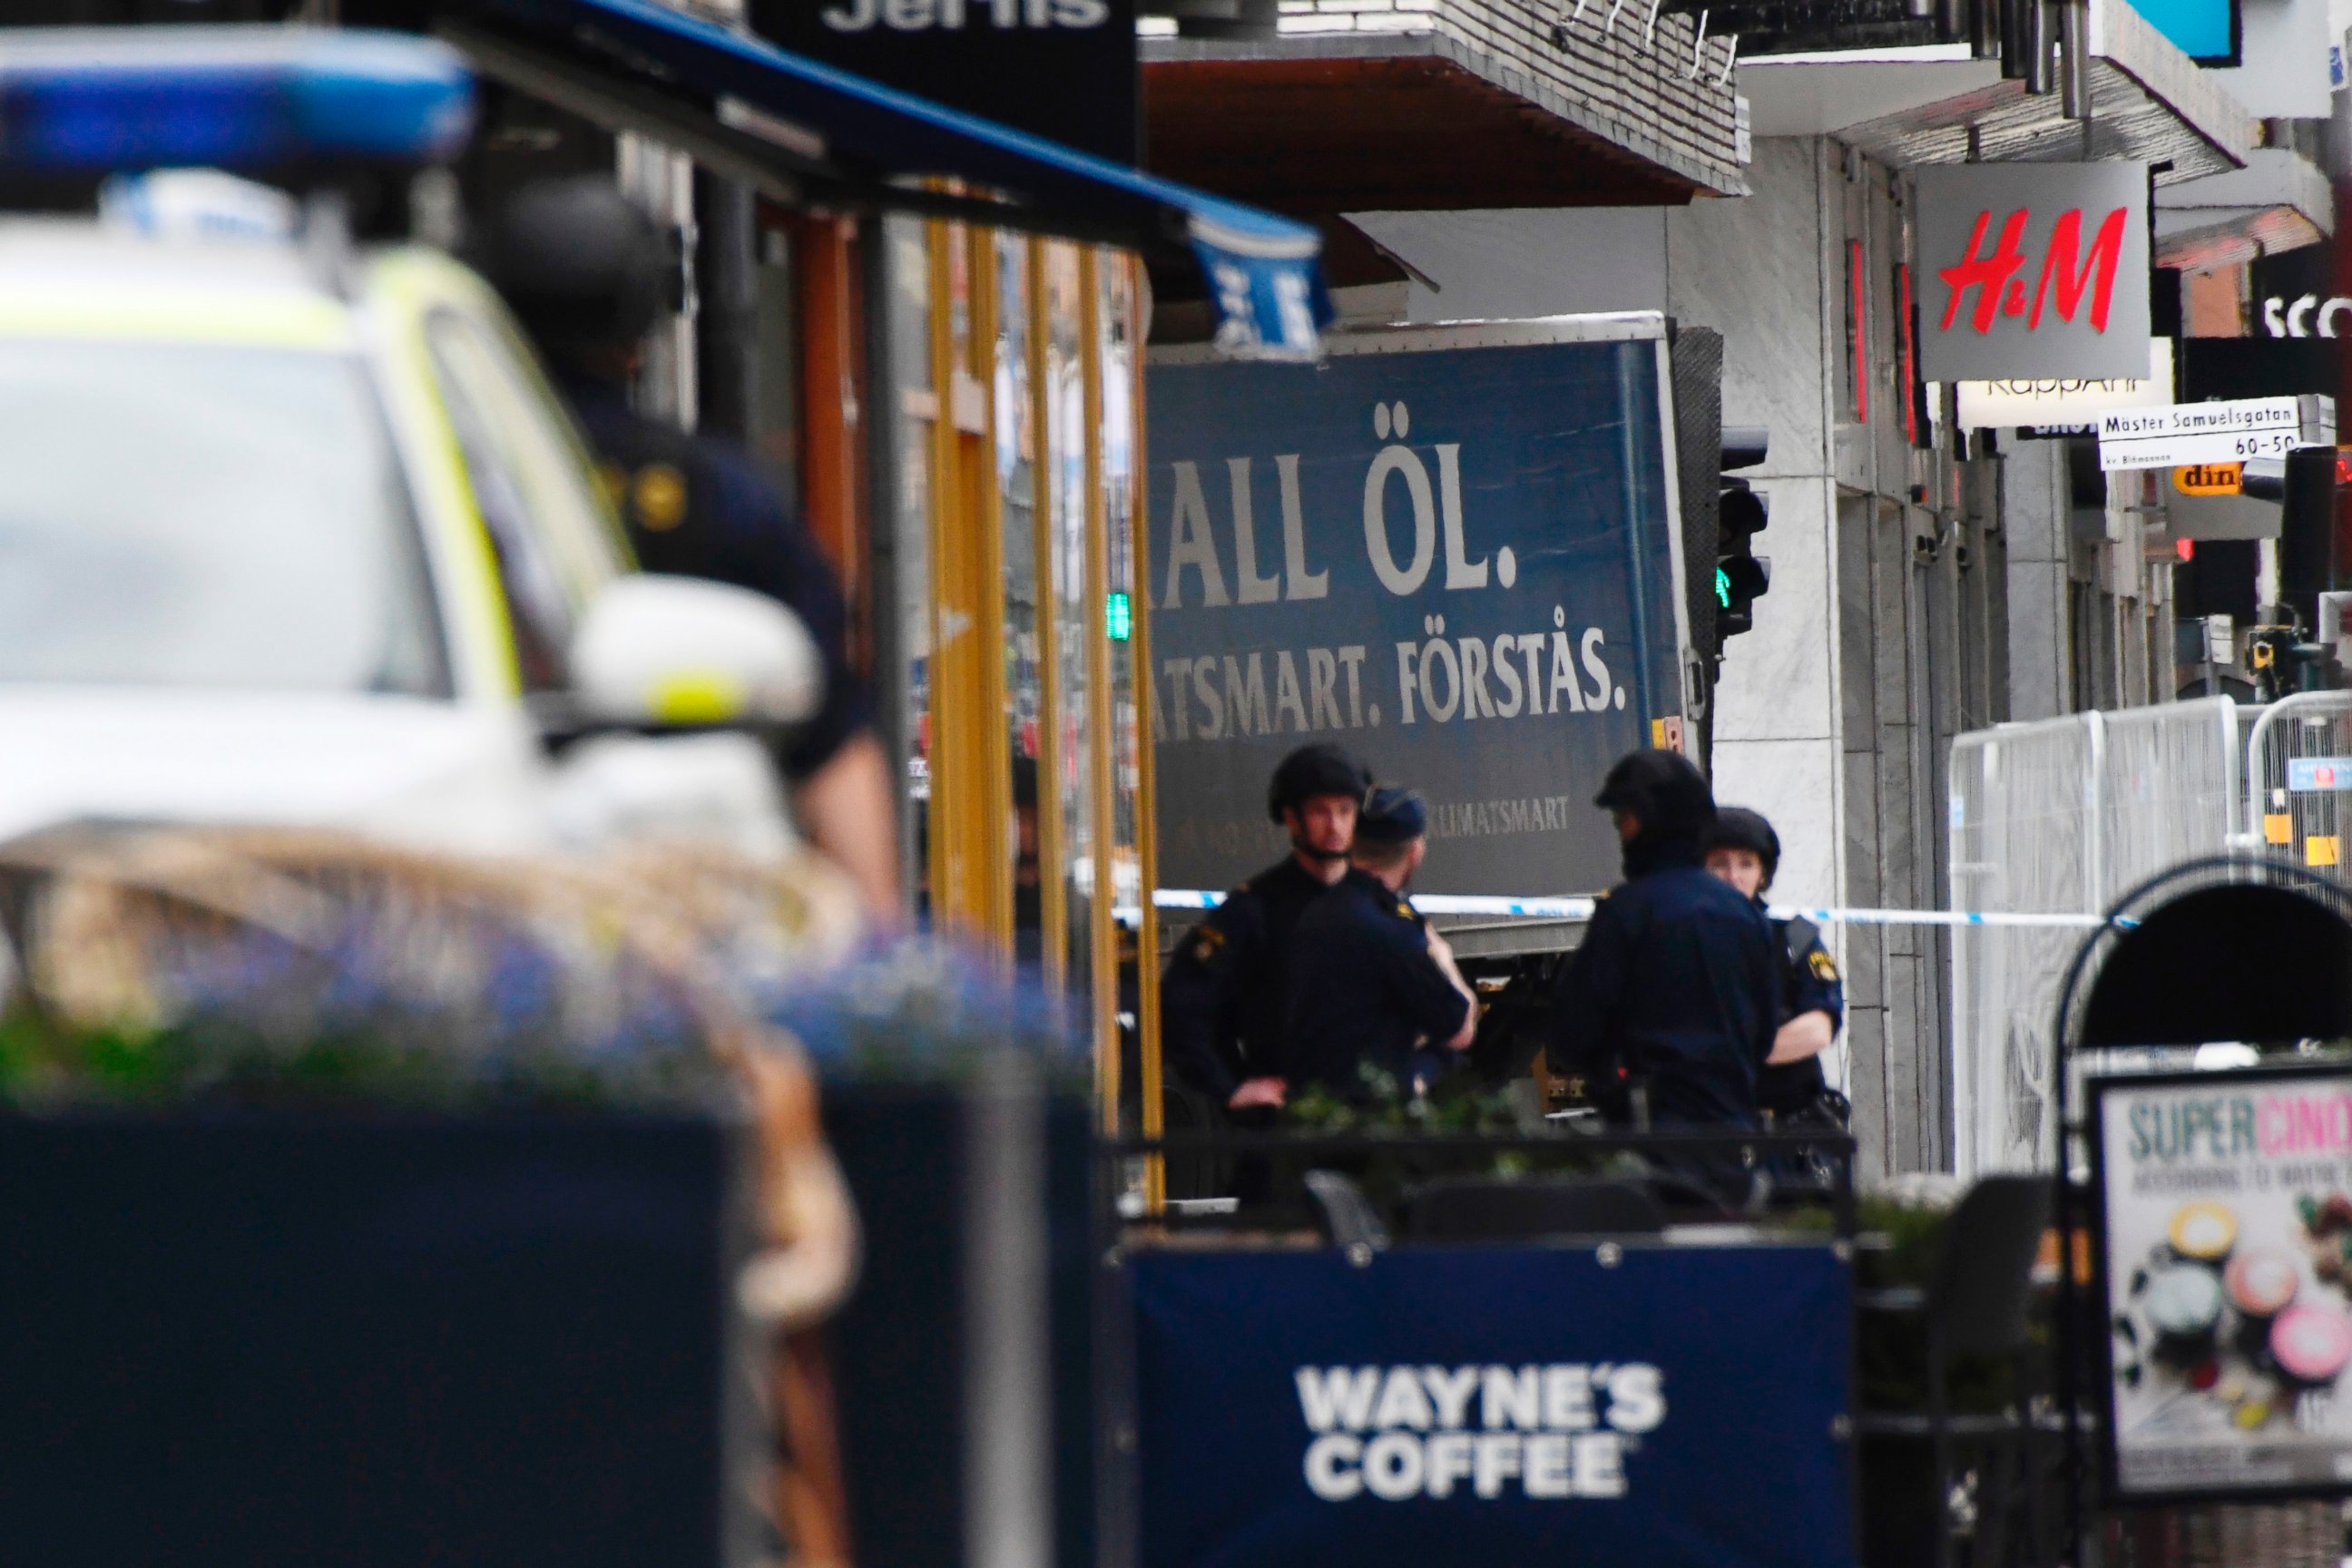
1662	1406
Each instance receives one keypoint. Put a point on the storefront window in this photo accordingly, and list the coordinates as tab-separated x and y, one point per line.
773	431
971	807
1116	357
1066	450
916	411
1027	786
1024	630
1116	347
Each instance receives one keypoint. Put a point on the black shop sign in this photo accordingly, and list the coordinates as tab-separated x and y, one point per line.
1063	69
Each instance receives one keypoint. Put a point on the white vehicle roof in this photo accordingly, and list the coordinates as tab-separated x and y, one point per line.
78	277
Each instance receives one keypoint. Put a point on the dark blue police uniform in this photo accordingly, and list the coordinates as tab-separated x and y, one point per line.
1809	983
1220	997
1363	989
1676	985
698	507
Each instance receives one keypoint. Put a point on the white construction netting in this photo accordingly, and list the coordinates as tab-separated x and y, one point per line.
2063	816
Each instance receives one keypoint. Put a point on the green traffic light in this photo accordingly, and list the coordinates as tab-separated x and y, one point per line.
1722	588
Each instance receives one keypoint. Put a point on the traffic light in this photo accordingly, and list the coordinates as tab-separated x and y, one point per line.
1741	576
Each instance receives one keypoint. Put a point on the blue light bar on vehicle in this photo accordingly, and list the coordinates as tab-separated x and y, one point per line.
255	99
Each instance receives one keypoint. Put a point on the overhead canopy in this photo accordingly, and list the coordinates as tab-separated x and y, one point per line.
1936	104
804	131
1458	118
2278	202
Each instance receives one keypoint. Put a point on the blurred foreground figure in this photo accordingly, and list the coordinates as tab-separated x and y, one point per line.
1674	993
586	271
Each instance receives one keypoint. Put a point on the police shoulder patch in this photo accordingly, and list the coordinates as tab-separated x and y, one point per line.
1404	910
658	494
1823	966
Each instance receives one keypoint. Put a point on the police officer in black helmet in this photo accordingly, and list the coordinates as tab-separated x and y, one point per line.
1674	993
1745	852
1369	982
588	274
1220	1000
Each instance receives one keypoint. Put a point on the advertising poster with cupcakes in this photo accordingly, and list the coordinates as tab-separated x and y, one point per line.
2226	1199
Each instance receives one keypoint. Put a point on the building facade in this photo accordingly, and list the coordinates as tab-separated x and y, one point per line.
1927	579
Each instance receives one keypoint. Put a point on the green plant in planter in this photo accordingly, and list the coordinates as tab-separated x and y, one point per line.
221	1059
1459	1107
1905	1237
223	1054
921	1010
368	980
204	969
258	966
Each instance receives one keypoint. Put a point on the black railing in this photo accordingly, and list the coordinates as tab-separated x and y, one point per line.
1430	1153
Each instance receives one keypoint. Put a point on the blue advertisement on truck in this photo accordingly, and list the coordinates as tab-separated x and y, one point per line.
1448	548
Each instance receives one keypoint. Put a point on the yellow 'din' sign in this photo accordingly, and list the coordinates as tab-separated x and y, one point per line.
2209	479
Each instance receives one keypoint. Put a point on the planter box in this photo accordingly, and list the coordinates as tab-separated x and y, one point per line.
1895	1483
284	1339
917	1415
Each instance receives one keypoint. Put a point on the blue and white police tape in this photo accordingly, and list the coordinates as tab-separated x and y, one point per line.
1580	909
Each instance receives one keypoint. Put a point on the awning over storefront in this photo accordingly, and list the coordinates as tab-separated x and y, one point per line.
1935	104
805	133
1475	103
2278	202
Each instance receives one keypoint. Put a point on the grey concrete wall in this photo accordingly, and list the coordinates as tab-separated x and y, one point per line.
1887	627
1831	716
2040	647
1827	714
1903	640
1504	265
1753	268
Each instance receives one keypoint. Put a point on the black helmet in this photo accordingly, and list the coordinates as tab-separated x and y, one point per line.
1665	794
580	264
1737	828
1315	769
1393	815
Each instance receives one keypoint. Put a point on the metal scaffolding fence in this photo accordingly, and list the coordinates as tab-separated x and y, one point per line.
2062	816
2299	765
2067	815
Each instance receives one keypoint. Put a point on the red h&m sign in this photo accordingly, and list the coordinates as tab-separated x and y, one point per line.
2033	270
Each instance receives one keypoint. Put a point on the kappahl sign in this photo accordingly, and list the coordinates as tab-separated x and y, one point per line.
2034	270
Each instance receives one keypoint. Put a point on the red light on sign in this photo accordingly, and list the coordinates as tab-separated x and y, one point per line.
1903	322
2186	548
1858	304
1993	274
